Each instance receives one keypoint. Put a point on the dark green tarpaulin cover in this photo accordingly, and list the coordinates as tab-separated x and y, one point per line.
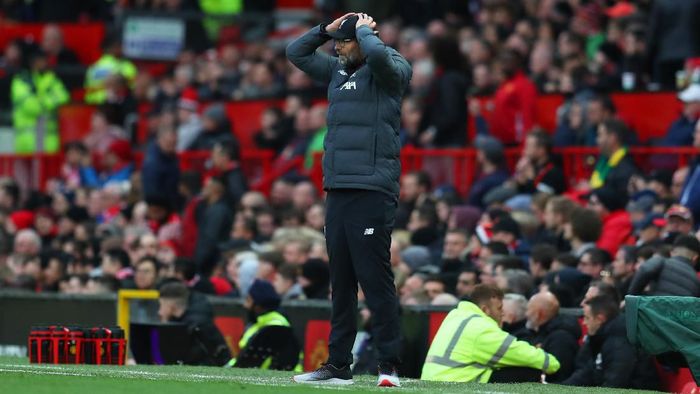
666	324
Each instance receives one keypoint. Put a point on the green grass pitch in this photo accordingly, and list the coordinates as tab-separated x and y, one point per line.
18	376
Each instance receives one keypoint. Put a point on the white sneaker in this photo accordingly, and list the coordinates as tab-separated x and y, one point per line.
327	374
388	377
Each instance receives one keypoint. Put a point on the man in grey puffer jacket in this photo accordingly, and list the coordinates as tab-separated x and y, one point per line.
361	172
670	277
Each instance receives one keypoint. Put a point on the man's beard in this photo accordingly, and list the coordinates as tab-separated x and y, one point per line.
348	61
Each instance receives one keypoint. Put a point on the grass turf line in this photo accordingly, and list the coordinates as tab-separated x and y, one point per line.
18	376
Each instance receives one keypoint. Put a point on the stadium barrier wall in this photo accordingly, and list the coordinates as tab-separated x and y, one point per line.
309	319
457	167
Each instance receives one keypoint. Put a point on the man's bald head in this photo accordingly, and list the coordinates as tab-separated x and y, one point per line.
541	308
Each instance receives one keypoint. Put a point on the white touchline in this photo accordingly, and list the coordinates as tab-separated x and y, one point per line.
193	377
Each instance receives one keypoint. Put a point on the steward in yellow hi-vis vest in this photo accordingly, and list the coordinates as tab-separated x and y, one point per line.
269	342
36	94
111	63
470	346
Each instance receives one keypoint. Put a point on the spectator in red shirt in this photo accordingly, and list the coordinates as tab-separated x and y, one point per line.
617	225
514	103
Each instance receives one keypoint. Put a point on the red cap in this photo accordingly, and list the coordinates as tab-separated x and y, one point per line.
621	10
22	219
188	100
122	149
679	211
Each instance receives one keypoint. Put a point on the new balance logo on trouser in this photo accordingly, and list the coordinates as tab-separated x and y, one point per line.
358	236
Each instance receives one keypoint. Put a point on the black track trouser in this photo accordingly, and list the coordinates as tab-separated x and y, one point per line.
358	237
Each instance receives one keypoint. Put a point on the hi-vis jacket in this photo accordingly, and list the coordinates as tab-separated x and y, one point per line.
35	100
469	345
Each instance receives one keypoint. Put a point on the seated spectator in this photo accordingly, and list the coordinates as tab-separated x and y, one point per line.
554	333
649	230
592	262
76	155
540	170
583	230
315	279
680	132
679	221
516	281
466	282
275	132
514	319
216	128
614	167
601	288
471	347
146	273
286	284
186	272
557	213
623	268
617	224
180	305
491	160
105	284
116	263
256	349
116	167
675	276
606	357
415	191
541	258
433	287
103	132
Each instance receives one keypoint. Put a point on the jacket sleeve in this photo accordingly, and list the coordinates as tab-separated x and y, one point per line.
387	65
303	54
647	272
511	353
564	348
56	95
24	98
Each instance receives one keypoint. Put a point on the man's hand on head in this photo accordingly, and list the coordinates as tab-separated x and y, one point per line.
365	19
335	25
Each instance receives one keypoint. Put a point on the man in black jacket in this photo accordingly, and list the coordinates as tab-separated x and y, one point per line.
225	158
556	334
180	305
607	359
214	221
670	277
161	167
361	171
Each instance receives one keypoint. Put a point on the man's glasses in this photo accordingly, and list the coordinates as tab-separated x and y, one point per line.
343	42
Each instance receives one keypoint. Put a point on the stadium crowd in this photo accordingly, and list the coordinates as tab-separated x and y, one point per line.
107	224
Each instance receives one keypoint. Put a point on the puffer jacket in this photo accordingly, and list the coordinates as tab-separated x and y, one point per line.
668	277
361	148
